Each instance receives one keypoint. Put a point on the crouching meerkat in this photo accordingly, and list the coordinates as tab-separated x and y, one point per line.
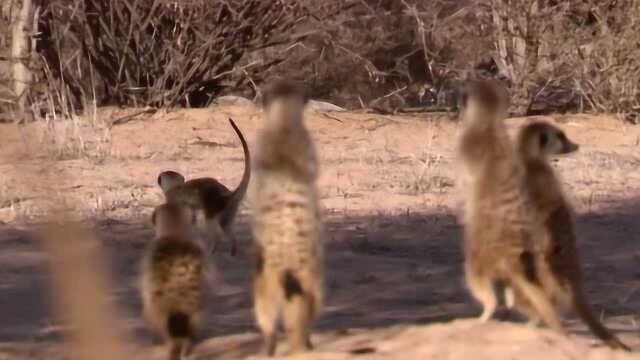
558	266
174	279
216	204
286	221
499	246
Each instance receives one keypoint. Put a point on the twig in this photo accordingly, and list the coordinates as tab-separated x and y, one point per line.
394	92
332	117
127	118
427	109
423	40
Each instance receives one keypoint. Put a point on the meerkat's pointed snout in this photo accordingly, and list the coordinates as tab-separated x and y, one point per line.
541	138
571	147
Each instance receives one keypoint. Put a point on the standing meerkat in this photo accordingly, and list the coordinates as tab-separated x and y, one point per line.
286	221
217	204
498	241
174	279
81	292
558	266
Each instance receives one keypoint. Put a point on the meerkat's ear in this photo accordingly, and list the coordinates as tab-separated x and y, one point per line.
167	180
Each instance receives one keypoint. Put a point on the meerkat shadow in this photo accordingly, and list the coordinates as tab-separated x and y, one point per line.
382	270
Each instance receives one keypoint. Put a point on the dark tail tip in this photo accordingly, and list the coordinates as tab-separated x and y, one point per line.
292	285
178	325
616	344
363	350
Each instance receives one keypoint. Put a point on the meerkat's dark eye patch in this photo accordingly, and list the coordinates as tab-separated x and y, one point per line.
544	139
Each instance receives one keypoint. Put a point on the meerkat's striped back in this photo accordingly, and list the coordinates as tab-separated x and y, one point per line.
176	275
174	280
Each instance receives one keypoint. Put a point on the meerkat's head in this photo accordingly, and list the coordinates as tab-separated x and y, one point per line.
284	100
173	219
168	180
541	139
483	99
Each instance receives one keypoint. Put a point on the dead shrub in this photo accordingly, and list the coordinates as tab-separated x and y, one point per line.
573	55
607	70
156	52
568	55
361	51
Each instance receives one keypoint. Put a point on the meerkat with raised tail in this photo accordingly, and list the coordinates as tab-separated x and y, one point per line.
499	246
286	221
215	203
174	279
558	266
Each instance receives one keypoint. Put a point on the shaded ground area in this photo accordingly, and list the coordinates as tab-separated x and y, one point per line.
382	271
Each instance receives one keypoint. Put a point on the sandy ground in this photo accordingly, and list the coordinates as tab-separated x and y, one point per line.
395	287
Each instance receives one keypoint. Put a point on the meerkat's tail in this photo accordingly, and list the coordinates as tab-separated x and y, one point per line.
583	310
240	191
180	333
229	213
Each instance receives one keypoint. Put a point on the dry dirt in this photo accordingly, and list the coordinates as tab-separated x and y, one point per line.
395	288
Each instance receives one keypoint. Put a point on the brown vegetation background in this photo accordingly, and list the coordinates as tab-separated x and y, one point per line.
572	55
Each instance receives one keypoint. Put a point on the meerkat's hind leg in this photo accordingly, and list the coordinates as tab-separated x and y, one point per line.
175	352
187	348
483	290
298	319
519	305
267	309
180	349
539	302
509	297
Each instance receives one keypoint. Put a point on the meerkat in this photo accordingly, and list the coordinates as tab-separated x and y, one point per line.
174	279
217	204
81	286
498	231
558	266
286	222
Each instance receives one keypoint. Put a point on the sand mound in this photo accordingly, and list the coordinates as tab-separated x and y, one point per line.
460	340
